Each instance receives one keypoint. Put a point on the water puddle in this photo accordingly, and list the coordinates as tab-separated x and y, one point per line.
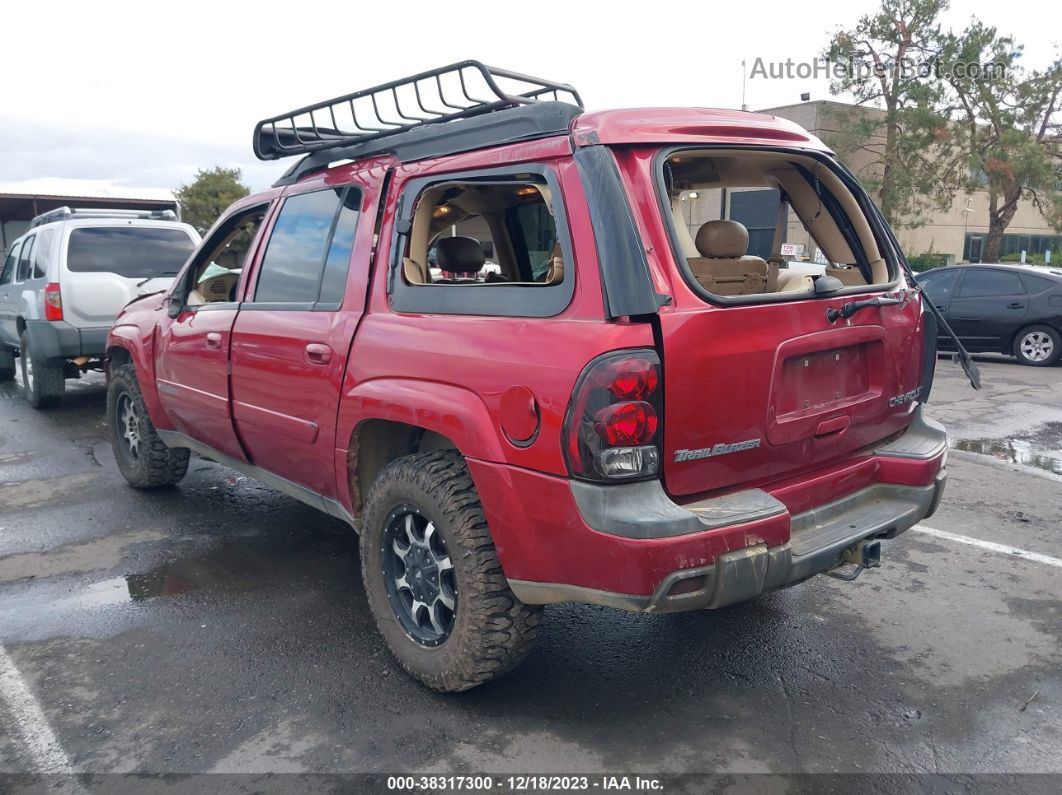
1041	448
132	588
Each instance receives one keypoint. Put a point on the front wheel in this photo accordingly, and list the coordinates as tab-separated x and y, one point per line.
43	380
1039	346
143	458
433	580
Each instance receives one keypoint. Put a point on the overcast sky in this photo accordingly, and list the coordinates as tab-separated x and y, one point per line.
130	99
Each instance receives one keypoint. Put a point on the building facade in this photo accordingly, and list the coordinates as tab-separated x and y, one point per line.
959	232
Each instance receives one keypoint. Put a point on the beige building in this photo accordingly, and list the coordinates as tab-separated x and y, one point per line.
960	232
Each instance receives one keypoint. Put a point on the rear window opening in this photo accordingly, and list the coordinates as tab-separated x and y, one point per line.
475	233
135	252
767	223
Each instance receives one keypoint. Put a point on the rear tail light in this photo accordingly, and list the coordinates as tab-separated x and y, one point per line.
53	302
612	427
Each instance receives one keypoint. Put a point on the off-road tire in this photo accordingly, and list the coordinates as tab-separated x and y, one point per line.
44	386
492	630
7	364
155	465
1054	339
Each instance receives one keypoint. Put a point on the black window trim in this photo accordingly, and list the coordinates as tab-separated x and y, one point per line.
887	251
18	278
502	299
318	305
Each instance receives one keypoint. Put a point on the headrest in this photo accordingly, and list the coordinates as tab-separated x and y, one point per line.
459	254
722	239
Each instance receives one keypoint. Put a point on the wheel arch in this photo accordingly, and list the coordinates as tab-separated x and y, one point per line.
126	345
385	419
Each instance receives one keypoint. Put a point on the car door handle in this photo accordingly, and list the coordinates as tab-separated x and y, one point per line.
942	307
213	340
317	353
1016	305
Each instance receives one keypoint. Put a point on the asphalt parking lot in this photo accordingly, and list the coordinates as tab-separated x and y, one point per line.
221	627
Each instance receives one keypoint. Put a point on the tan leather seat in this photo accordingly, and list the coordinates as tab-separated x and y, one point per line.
791	282
555	274
213	290
414	272
723	267
850	277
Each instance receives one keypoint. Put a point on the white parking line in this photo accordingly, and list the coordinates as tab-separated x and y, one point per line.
37	736
990	545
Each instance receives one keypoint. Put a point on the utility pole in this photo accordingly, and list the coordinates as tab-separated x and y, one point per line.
744	79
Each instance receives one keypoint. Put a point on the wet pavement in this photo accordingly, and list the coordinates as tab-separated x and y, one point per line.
220	626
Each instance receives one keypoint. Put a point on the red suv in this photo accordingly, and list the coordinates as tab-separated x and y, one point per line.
537	355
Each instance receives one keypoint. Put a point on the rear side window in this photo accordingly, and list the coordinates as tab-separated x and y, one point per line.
24	267
984	283
1037	284
309	249
135	252
42	252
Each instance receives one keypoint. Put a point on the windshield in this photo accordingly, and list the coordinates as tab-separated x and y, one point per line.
133	252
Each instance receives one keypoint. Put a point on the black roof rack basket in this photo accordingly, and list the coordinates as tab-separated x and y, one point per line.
439	95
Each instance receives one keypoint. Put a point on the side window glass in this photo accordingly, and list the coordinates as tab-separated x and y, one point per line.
337	262
43	252
309	249
7	273
984	283
24	259
215	274
940	287
294	258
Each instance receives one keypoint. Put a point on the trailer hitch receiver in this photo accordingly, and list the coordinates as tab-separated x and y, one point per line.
864	555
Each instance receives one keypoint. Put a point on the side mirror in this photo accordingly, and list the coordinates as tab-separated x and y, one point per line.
174	305
824	285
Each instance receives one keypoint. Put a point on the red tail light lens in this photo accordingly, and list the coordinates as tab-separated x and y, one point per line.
626	423
53	302
633	378
612	424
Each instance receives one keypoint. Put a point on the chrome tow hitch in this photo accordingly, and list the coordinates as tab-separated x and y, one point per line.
864	555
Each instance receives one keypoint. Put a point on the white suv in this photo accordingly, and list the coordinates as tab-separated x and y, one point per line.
64	281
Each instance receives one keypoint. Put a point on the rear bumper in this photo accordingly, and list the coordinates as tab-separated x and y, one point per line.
818	539
631	547
57	339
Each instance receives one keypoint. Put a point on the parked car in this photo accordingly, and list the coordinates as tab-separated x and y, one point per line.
64	280
1011	309
628	414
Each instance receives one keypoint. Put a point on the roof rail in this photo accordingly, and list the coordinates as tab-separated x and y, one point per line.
68	214
432	97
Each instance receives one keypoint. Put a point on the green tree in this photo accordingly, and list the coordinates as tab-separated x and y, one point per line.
1009	128
896	138
209	195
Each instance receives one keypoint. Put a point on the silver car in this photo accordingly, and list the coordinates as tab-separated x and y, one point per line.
64	281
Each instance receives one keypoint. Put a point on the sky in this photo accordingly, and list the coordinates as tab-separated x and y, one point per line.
130	99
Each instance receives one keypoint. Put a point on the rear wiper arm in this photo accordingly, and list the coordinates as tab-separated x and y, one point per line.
852	307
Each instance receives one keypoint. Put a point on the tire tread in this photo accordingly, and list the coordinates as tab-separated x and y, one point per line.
502	630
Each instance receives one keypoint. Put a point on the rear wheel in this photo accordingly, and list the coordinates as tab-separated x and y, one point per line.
7	364
43	380
433	580
1040	346
143	459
